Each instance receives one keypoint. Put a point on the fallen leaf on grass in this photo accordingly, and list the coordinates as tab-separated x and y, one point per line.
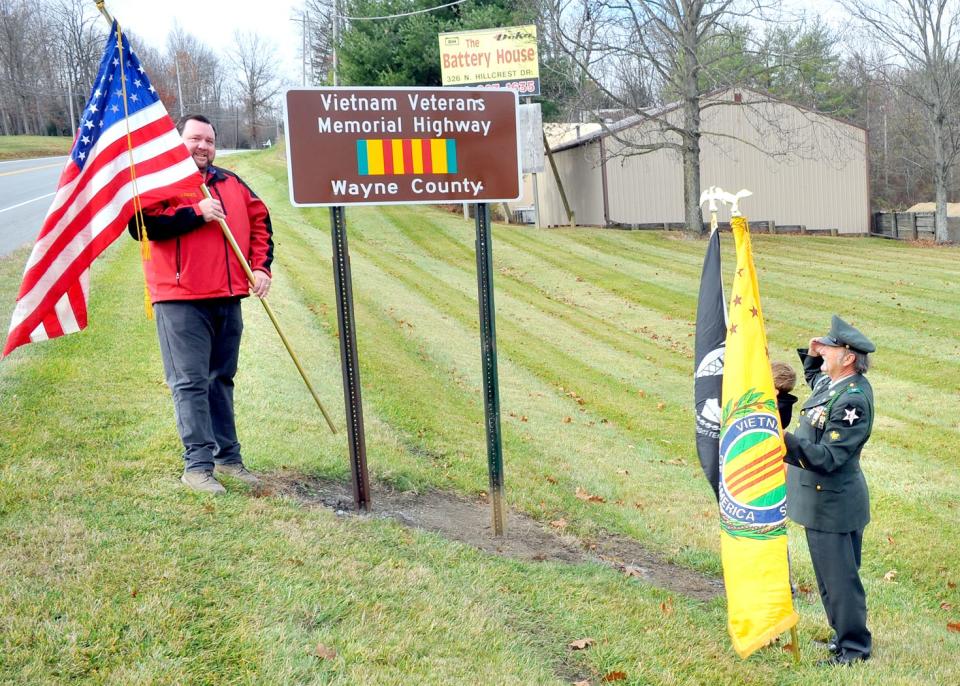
890	540
946	606
581	644
134	591
951	584
523	418
588	497
666	607
636	572
559	523
551	479
642	393
788	648
324	652
891	575
804	588
623	472
660	406
567	420
614	676
953	626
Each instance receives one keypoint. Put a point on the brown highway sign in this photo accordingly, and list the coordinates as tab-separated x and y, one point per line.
382	146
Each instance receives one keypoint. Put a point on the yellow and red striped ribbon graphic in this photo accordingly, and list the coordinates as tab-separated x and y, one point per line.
384	157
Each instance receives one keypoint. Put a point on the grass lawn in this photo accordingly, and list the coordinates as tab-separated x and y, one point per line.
114	574
26	147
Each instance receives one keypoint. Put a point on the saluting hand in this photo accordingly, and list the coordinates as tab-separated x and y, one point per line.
813	350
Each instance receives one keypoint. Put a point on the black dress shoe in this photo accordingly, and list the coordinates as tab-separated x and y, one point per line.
842	660
830	645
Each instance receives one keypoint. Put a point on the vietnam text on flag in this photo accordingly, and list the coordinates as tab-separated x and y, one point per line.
94	199
753	537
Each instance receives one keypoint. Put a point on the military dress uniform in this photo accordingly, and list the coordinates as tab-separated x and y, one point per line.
827	493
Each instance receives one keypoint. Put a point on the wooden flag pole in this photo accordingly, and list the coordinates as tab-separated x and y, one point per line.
273	318
103	11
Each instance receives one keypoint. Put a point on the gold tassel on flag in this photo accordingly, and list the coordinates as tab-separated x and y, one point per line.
141	228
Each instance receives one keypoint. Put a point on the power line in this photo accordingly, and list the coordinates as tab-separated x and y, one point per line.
405	14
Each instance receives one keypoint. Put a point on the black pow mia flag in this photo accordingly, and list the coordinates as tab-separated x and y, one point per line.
711	336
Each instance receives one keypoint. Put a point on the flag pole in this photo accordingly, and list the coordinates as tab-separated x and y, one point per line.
103	11
269	310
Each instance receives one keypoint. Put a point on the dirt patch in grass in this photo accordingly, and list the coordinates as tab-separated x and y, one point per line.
469	521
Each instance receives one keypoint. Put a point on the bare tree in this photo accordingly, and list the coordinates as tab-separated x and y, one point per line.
78	42
316	23
193	73
638	53
18	20
922	60
258	81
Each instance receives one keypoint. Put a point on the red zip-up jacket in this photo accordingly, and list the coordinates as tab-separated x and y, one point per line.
191	259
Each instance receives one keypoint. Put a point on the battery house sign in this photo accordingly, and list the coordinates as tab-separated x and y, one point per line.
349	146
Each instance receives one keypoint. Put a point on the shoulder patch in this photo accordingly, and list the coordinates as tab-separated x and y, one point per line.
851	415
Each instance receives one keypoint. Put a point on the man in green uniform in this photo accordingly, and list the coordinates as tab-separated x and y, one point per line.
826	491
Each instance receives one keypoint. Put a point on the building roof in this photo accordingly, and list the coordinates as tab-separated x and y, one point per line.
953	208
717	96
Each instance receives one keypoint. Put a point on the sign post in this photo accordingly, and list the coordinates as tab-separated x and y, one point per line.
382	146
488	361
349	364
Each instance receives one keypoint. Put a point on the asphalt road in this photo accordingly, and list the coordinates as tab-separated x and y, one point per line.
27	188
26	191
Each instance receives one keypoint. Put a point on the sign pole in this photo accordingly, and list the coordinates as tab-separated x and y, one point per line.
343	285
488	355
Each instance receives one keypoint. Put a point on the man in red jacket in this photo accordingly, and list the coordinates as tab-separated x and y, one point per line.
196	284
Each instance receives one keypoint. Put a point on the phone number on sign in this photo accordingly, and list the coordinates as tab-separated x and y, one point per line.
530	86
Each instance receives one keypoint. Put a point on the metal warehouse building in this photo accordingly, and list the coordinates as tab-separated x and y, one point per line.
805	169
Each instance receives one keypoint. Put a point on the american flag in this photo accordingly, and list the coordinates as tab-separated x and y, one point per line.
95	195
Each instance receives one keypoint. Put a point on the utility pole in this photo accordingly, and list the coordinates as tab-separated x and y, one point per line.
74	124
336	41
304	22
176	61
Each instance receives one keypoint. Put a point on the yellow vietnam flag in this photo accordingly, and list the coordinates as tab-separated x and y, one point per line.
753	536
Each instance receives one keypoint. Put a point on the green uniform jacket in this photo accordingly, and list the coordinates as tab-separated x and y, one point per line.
825	487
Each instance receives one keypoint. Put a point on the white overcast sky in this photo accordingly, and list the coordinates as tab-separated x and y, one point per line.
214	21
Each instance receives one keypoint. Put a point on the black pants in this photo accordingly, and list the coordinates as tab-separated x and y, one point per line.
200	347
836	562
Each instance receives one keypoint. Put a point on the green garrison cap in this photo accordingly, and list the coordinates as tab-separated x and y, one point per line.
842	335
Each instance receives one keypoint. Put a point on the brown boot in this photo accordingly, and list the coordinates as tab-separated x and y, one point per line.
202	482
237	471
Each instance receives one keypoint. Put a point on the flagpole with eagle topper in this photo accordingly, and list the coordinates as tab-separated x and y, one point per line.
751	489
